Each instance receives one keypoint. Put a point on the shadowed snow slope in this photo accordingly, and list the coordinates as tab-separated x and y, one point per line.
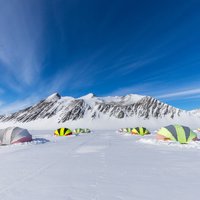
196	112
104	165
94	112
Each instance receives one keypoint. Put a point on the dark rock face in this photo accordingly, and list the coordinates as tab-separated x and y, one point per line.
74	109
144	108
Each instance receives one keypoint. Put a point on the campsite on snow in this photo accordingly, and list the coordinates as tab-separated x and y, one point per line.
98	165
74	162
99	99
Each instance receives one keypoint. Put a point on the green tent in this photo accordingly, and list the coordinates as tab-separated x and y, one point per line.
125	130
82	130
178	133
140	131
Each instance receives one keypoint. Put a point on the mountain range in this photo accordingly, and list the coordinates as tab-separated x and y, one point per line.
98	112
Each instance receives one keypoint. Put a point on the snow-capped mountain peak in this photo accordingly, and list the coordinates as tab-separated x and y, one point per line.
53	97
132	108
87	96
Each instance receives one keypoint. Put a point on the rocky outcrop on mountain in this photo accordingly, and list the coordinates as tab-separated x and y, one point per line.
90	106
145	108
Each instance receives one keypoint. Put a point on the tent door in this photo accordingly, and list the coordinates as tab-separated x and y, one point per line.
7	136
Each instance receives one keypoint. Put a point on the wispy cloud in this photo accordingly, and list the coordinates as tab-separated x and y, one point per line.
143	89
158	90
18	105
140	63
185	93
21	41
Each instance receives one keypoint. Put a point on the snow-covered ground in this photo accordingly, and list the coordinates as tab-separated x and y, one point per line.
103	165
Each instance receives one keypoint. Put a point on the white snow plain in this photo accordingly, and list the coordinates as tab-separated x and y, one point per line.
103	165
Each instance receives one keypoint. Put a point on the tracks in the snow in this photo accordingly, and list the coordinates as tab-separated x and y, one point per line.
52	163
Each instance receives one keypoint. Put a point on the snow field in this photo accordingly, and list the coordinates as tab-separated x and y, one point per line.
103	165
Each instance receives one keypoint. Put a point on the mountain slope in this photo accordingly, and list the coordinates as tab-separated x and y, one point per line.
195	112
92	108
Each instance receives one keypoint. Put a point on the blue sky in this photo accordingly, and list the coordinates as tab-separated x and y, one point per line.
107	47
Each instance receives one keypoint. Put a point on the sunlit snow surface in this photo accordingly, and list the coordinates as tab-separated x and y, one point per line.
103	165
192	145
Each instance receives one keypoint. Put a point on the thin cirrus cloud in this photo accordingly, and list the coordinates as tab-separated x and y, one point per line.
142	89
161	91
75	47
191	93
20	42
18	104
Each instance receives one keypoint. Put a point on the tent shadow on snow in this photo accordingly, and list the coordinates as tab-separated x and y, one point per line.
40	141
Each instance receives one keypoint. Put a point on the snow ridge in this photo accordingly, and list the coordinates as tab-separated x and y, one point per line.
92	107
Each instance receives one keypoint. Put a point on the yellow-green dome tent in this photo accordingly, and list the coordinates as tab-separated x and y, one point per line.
82	130
140	131
125	130
179	133
63	132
